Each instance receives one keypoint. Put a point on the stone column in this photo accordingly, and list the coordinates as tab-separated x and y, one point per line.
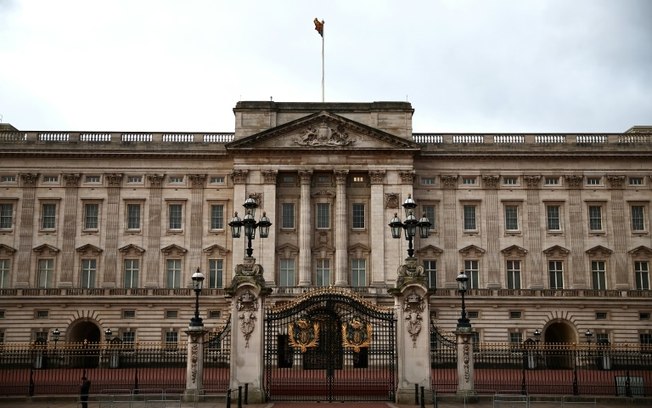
465	374
493	230
533	239
412	339
112	227
248	292
26	233
305	230
152	275
268	251
197	182
619	222
450	229
195	364
341	229
576	270
69	227
377	228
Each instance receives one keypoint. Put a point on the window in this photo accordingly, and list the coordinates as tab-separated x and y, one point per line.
288	179
50	179
553	217
42	314
5	265
48	216
171	314
638	218
8	178
468	181
556	274
175	179
513	274
175	216
171	340
595	218
323	277
646	342
358	179
287	216
323	179
471	269
128	338
469	218
6	216
593	181
428	181
215	273
323	215
91	216
602	338
515	314
45	273
92	179
551	181
600	315
214	314
515	338
357	213
511	218
430	211
129	314
358	272
134	179
635	181
286	272
131	270
88	272
598	275
644	316
133	216
173	273
217	216
642	275
216	180
510	181
430	269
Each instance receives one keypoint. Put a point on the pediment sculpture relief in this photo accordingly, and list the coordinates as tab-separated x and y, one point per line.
324	135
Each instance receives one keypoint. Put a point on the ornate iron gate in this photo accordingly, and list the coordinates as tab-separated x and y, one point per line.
443	361
330	345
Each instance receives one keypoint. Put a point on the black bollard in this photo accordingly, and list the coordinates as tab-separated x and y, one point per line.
228	398
239	396
246	401
423	402
416	394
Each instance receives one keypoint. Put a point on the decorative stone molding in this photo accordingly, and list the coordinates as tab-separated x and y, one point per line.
89	249
574	181
29	179
71	179
216	249
324	135
114	179
409	273
305	176
258	198
448	181
532	181
46	250
250	273
340	176
269	176
377	176
616	181
239	176
391	200
514	251
247	305
641	251
131	249
413	310
472	250
407	176
599	251
155	180
174	250
6	250
197	180
490	181
556	250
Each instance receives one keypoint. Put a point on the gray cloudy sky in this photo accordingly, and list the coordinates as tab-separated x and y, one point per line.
465	65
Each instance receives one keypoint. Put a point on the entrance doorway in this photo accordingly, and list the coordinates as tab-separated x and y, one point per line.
558	333
86	334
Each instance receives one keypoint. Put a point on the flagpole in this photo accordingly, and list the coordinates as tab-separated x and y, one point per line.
322	67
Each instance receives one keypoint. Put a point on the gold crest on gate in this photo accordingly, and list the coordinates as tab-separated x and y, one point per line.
356	334
303	334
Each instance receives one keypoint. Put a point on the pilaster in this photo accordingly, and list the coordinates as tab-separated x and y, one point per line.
269	254
533	234
197	183
378	228
619	222
341	230
152	279
69	226
26	234
576	235
114	181
450	229
493	211
305	230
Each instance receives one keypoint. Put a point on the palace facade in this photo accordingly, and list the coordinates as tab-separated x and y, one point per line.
103	230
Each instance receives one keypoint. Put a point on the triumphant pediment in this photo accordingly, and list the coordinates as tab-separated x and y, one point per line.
323	130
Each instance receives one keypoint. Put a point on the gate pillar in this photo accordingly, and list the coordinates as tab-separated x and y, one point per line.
412	338
248	292
195	363
465	374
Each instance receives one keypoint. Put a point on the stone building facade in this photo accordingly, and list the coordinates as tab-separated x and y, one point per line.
102	230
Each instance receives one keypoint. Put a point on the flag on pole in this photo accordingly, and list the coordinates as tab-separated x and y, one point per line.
319	26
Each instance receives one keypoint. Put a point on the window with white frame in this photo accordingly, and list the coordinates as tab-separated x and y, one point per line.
131	272
551	181
8	178
556	274
599	275
91	216
513	274
5	267
515	338
45	273
357	214
430	211
469	181
48	216
642	275
287	216
6	216
593	181
323	216
50	178
595	217
88	273
216	273
133	216
510	181
92	179
286	272
217	216
553	217
217	180
511	217
175	179
470	221
134	179
358	272
173	273
427	181
171	340
472	271
175	216
323	277
638	217
635	181
128	338
430	270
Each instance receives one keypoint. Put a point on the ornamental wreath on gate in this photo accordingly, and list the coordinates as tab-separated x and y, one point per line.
356	334
301	336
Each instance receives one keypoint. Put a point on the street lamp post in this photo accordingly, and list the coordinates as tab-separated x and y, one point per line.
462	286
197	284
410	225
55	337
249	223
108	334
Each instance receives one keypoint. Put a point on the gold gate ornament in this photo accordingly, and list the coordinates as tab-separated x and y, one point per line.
301	336
356	334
